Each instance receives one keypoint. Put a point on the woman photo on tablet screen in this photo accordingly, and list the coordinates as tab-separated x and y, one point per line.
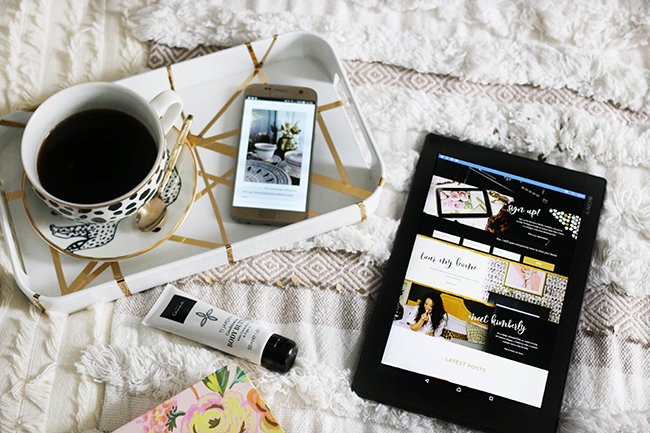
431	317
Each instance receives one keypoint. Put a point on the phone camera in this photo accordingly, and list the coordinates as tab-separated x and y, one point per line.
300	91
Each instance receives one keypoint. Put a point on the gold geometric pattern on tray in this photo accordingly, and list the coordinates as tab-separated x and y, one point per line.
85	277
12	124
213	143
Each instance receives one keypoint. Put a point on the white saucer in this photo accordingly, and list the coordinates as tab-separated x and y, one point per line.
117	240
274	159
289	169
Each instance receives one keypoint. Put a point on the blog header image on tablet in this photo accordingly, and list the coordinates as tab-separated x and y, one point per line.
486	281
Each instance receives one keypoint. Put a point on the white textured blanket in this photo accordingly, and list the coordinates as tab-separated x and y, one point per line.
492	53
45	46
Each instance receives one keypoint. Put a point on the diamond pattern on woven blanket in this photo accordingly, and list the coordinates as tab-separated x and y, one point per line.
610	312
318	268
162	55
361	73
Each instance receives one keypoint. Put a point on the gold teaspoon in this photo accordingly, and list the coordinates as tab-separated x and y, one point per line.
153	213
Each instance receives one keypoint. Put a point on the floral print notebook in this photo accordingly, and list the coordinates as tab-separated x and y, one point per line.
224	402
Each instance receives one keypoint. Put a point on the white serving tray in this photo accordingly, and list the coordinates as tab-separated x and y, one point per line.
347	177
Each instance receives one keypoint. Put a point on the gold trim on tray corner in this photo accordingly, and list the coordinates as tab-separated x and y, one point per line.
36	301
362	208
113	259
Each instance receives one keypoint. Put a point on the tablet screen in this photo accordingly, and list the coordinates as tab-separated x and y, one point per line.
483	310
484	282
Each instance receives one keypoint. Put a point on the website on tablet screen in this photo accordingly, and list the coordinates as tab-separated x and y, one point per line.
486	281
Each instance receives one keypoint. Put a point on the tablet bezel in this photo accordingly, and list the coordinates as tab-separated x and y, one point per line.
441	399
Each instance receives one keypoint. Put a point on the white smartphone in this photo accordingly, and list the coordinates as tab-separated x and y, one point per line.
274	156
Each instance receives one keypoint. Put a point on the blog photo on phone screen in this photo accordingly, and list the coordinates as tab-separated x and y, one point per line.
274	155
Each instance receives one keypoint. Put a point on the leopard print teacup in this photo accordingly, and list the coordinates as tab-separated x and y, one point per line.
96	152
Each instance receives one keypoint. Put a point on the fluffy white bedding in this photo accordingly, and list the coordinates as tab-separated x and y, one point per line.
46	46
587	109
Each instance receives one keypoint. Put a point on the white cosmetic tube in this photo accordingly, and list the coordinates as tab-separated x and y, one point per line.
179	313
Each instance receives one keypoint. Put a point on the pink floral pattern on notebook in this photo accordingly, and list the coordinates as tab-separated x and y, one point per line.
224	402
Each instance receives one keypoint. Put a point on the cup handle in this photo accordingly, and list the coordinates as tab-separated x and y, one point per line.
169	106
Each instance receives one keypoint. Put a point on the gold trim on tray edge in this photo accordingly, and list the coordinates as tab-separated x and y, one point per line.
231	258
129	256
119	279
362	208
37	302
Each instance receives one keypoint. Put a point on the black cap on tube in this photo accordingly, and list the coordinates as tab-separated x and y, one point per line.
279	353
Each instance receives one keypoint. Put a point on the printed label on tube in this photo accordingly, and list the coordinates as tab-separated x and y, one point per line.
181	314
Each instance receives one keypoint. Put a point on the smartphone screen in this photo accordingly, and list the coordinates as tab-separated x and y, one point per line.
274	155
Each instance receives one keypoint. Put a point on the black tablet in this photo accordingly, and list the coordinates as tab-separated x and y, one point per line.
477	314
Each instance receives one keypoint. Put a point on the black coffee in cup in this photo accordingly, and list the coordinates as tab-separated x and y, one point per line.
95	156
